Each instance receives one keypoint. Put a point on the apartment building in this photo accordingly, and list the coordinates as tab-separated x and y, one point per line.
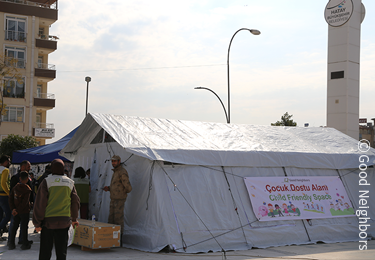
25	37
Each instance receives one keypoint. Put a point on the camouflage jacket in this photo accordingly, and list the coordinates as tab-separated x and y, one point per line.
120	184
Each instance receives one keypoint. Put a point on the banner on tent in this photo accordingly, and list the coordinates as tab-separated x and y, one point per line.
290	198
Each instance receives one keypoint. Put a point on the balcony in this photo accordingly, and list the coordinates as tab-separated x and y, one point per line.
39	8
44	130
15	36
47	37
47	43
45	71
45	100
44	125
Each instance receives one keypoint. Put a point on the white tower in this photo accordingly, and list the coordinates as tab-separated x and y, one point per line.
344	18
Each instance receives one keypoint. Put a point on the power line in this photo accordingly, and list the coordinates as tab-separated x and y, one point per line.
151	68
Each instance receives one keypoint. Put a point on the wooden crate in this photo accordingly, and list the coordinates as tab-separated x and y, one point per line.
99	235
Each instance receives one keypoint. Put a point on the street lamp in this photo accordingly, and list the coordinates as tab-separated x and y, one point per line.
87	79
252	31
225	111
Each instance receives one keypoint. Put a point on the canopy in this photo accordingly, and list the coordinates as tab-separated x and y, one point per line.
45	153
218	144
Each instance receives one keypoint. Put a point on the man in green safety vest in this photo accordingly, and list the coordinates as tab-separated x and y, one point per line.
55	209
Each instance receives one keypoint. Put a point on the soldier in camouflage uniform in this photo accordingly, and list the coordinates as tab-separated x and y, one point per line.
119	189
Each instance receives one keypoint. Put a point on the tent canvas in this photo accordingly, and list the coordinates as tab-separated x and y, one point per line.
44	153
187	177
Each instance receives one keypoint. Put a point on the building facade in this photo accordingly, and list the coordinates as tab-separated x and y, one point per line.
25	38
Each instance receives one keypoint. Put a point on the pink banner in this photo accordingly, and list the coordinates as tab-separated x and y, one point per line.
290	198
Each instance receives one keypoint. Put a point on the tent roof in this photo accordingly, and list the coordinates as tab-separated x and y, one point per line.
44	153
218	144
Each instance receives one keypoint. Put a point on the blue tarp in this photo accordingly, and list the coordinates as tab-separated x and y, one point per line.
45	153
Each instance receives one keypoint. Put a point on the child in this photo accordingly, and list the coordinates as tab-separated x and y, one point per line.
19	202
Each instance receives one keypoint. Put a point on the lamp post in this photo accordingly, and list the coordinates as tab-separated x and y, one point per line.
225	111
252	31
87	79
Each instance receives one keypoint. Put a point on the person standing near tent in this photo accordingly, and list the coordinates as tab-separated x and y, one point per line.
47	171
19	201
4	192
88	173
82	185
119	189
55	209
25	166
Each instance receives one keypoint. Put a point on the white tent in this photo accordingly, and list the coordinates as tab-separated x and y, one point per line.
187	177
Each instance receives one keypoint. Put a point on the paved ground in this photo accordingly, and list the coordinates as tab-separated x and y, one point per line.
337	251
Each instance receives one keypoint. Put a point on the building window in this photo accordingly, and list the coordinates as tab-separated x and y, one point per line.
15	29
38	120
41	34
39	91
40	62
14	88
16	56
13	114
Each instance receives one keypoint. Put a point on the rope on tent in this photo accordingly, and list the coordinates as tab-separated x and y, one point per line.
308	221
191	208
128	159
214	237
234	203
150	183
109	152
109	144
243	207
221	171
346	189
285	172
307	233
346	173
184	246
227	232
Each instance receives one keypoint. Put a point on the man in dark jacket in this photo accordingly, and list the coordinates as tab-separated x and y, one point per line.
25	166
55	209
19	202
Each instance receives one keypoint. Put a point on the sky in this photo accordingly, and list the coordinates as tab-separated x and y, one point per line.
145	58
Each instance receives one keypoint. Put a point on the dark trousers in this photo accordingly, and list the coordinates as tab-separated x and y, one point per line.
22	229
18	219
48	237
4	205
